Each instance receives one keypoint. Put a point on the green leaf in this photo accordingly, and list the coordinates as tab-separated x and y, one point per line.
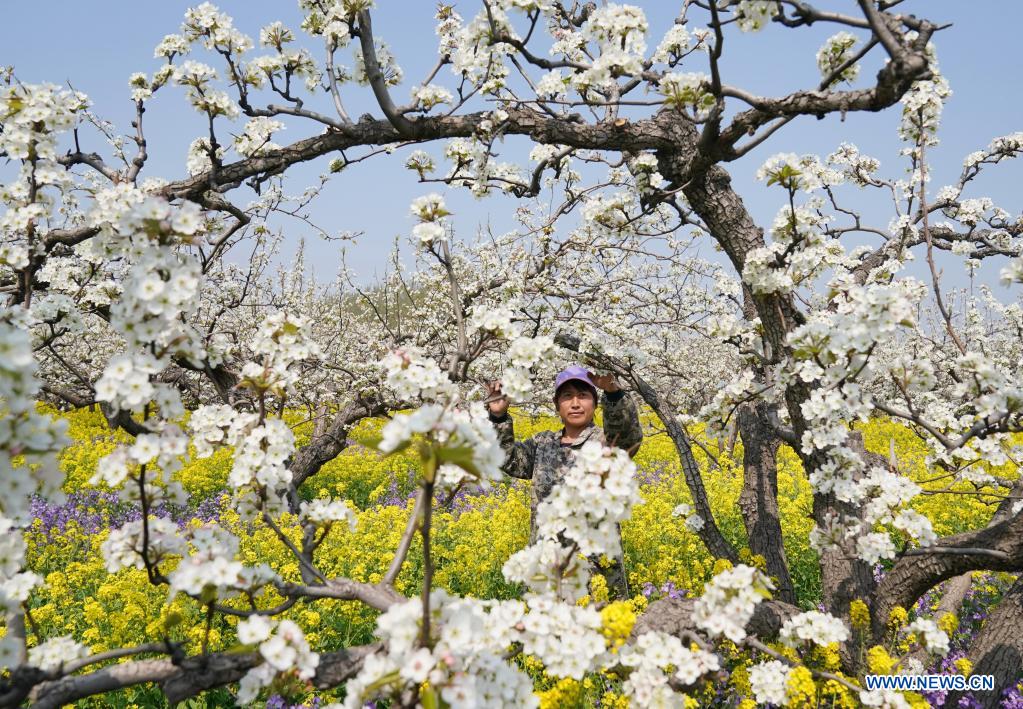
430	463
428	698
460	456
373	441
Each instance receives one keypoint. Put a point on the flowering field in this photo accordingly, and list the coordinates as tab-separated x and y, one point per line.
473	536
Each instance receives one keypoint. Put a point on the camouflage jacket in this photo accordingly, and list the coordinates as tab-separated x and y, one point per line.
545	460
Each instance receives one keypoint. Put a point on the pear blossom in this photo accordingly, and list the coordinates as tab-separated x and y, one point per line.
729	600
768	681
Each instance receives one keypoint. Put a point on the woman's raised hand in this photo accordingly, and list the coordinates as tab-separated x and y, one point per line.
607	382
497	403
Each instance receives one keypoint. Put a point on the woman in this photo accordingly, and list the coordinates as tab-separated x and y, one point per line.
547	456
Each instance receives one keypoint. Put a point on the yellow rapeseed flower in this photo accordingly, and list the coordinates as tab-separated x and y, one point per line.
898	617
879	661
598	589
859	615
801	689
964	666
617	620
949	622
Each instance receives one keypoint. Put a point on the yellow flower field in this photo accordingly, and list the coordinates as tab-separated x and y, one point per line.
472	538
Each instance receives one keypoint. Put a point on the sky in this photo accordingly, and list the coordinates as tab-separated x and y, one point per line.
95	45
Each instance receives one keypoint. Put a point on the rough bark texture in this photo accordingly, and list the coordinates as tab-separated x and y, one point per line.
711	195
710	535
649	134
998	547
331	441
844	576
674	617
190	678
998	648
57	693
951	602
759	498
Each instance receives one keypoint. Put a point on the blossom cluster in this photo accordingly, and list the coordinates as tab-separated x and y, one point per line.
931	637
475	166
597	492
654	658
255	139
835	54
282	341
410	375
619	32
769	681
923	103
34	117
463	662
211	569
331	19
164	450
327	512
259	473
673	46
140	541
813	626
467	442
158	294
524	353
474	54
689	90
53	653
694	523
430	211
428	96
283	649
729	600
29	443
580	515
389	67
753	15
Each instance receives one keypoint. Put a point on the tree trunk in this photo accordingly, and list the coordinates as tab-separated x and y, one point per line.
759	498
674	617
998	648
844	576
951	602
710	535
998	547
711	195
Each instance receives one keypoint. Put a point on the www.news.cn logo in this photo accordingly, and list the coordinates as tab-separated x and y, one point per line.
932	683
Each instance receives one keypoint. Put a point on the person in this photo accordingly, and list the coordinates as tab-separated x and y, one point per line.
546	457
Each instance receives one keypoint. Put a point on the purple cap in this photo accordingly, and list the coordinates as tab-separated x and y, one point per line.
575	373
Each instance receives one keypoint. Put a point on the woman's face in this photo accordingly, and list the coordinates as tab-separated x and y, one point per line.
575	404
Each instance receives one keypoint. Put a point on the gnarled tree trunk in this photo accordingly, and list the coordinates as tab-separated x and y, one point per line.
759	498
998	648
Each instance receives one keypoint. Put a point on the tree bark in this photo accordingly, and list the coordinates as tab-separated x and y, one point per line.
844	576
998	648
674	617
190	678
710	534
711	195
331	441
998	547
759	498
